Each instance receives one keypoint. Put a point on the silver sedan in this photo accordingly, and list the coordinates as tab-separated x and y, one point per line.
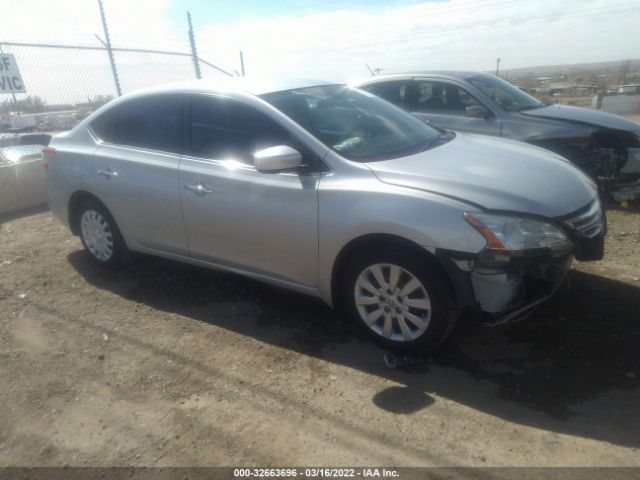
329	191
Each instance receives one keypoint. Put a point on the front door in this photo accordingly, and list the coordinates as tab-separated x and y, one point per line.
236	216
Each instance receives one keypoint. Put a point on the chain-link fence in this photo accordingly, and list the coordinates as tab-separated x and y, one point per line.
64	83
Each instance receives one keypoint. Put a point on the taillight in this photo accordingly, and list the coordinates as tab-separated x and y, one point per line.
47	153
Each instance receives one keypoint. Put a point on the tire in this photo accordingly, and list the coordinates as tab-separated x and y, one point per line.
420	318
100	235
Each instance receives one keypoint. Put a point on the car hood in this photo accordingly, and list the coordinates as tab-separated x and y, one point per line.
495	174
584	115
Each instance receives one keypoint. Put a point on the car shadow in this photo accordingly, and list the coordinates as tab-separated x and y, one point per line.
551	371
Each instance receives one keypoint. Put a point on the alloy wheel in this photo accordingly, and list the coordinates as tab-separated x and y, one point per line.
97	235
392	302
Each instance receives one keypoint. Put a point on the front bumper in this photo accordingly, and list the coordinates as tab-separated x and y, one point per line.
497	288
504	286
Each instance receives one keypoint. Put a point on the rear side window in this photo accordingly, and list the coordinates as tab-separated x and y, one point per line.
102	126
439	97
227	129
151	122
393	92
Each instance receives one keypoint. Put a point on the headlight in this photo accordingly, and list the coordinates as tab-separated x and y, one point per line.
514	233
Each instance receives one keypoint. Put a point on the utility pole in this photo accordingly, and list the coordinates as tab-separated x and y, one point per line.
241	63
194	53
107	44
369	68
498	67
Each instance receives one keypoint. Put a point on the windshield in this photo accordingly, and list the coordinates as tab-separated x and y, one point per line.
354	123
504	94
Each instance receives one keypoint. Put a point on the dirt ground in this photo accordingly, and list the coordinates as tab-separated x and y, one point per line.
169	365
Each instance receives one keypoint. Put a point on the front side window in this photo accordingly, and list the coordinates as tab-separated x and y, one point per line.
227	129
393	92
358	125
504	94
150	122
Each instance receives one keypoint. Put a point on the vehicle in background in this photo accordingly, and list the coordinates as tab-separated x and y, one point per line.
329	191
22	178
605	146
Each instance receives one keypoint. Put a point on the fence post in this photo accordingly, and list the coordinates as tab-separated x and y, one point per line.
194	53
241	63
109	49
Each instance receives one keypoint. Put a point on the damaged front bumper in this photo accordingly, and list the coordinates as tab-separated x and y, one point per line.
619	172
611	157
503	287
511	292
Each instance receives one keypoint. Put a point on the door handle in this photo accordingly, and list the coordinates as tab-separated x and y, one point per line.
108	174
198	188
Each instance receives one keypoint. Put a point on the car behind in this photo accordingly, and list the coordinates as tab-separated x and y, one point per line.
22	178
605	146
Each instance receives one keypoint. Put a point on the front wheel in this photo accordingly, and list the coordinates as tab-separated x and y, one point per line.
401	301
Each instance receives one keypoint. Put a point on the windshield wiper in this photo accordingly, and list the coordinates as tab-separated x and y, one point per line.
442	137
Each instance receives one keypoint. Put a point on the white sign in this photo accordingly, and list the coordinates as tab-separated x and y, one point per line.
10	78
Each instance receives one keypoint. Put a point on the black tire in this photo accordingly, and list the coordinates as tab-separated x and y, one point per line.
441	321
113	257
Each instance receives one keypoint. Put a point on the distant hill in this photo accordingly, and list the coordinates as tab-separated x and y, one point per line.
612	68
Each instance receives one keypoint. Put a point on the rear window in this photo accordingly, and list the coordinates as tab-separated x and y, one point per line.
150	122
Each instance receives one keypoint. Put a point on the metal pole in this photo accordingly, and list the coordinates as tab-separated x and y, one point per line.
109	49
241	63
498	67
194	53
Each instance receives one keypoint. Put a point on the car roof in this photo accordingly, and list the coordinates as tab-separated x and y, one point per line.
252	85
456	74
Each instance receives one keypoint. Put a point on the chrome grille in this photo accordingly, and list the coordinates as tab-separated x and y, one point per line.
589	222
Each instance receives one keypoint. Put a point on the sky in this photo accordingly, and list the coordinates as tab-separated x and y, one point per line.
331	39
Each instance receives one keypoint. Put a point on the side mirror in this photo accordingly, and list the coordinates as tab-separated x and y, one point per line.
277	159
477	111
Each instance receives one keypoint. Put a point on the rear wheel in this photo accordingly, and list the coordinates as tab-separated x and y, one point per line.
100	234
400	300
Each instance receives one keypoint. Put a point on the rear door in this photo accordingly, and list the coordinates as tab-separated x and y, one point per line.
265	223
136	170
